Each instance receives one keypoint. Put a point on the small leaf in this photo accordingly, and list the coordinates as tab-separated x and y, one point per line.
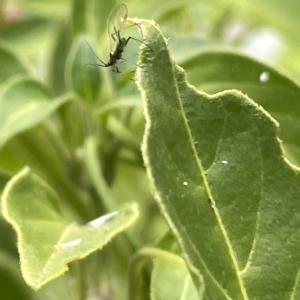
58	60
171	279
220	178
10	64
24	102
82	73
46	241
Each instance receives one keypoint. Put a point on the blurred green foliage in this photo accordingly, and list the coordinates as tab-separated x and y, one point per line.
45	71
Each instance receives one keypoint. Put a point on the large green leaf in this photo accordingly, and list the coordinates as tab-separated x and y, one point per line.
24	102
47	242
221	180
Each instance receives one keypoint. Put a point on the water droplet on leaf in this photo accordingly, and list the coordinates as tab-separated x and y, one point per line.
70	244
264	77
100	221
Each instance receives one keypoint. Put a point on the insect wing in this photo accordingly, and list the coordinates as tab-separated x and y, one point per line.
116	22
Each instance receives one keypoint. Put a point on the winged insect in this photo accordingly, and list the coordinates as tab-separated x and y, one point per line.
116	23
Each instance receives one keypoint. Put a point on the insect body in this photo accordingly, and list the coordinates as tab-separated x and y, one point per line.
116	53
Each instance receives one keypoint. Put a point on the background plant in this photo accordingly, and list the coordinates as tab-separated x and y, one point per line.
79	130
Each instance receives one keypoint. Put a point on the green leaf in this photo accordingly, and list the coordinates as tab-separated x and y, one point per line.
170	279
220	178
24	102
46	240
58	60
10	64
214	71
82	72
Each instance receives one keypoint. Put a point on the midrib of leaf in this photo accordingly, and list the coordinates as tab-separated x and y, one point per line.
207	269
202	174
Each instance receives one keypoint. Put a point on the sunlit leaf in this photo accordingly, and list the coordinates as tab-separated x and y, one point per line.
171	279
47	242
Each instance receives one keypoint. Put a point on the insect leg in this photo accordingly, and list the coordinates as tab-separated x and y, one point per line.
116	69
132	38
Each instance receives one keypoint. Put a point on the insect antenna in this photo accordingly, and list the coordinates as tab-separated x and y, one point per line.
103	64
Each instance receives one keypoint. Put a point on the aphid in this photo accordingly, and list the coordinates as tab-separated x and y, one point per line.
115	25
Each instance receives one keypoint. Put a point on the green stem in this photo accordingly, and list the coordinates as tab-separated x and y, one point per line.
78	270
103	190
94	170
